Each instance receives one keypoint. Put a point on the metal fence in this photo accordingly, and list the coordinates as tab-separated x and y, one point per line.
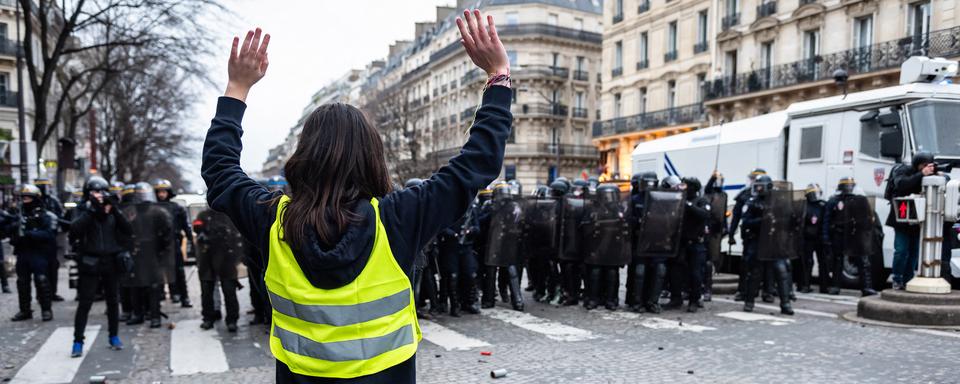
649	120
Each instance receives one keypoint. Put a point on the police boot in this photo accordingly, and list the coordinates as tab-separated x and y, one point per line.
23	297
742	282
593	288
837	273
611	288
636	278
4	284
629	285
516	296
454	294
866	278
44	297
708	282
503	284
489	288
783	278
471	302
442	295
571	284
659	276
553	282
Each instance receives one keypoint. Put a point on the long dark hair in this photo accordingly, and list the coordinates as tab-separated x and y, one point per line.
339	161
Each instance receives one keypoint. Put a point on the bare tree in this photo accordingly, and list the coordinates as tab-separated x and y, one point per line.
403	143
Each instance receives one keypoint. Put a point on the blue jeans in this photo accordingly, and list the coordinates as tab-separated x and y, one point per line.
906	255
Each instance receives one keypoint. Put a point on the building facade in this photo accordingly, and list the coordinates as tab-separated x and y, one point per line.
424	98
678	65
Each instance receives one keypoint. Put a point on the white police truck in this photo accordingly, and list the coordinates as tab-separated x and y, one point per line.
860	135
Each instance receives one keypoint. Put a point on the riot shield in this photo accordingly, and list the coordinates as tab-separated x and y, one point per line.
718	213
661	224
607	236
540	225
571	229
503	239
780	226
858	233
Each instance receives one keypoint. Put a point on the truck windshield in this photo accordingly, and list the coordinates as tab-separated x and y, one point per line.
936	127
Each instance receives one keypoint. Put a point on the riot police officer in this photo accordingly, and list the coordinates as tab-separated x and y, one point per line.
645	277
608	248
542	239
571	252
739	202
716	230
181	229
53	205
103	236
33	236
848	231
688	270
753	217
812	243
219	247
503	233
153	254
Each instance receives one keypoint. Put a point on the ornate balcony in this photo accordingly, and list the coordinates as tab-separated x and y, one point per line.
617	18
616	72
730	21
471	76
766	9
542	109
670	56
885	55
580	113
581	75
643	64
643	7
650	120
541	71
700	47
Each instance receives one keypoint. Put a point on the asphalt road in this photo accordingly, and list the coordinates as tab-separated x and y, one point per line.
546	344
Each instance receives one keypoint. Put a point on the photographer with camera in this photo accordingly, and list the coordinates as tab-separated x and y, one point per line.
907	180
103	235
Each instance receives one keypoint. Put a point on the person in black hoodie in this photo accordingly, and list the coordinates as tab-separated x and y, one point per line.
345	238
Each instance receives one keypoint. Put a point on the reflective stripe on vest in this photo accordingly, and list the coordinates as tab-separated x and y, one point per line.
362	328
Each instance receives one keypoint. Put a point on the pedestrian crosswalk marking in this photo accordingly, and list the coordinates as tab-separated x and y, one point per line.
447	338
193	350
828	299
749	316
656	322
937	332
52	363
775	308
551	329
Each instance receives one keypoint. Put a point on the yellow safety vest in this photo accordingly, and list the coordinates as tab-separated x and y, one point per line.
359	329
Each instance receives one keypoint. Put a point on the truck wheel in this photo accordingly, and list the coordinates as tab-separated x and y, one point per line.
850	274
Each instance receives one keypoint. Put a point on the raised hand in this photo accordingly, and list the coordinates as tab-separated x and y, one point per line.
248	64
482	43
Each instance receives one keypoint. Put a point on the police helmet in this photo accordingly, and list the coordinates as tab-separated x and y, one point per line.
95	183
516	189
559	188
761	185
846	185
30	190
413	182
501	191
921	158
608	194
44	184
693	186
593	181
116	188
142	193
812	192
671	182
541	192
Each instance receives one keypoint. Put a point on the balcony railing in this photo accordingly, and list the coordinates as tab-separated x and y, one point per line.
435	92
700	47
731	20
617	18
616	72
581	75
528	29
443	89
580	113
885	55
643	7
467	113
768	8
543	109
656	119
453	85
670	56
471	76
8	99
541	71
416	103
541	149
643	64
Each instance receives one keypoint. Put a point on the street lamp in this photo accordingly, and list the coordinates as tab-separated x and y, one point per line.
554	109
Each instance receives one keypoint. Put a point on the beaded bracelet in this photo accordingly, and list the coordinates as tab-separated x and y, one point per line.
500	79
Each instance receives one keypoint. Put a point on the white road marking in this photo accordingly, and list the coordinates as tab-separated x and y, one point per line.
750	316
549	328
935	332
776	308
656	322
812	297
52	363
447	338
193	350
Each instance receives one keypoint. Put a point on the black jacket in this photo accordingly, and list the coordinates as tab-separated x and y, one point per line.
695	219
740	200
813	221
38	235
411	216
906	181
100	235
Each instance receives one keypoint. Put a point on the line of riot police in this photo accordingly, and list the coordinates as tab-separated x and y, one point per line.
572	238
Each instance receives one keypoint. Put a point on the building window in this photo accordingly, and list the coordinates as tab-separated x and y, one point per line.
552	19
671	94
4	83
617	10
618	59
863	32
642	59
513	18
578	24
671	54
580	64
811	142
579	101
809	68
920	21
512	56
3	31
642	98
730	64
766	61
702	28
617	107
701	84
